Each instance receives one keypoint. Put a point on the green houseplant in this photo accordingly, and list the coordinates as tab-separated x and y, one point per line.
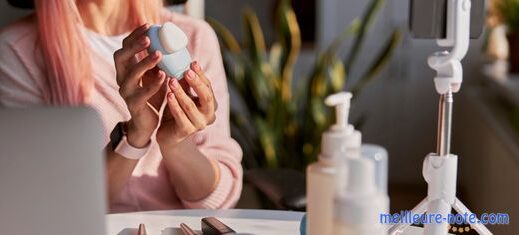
281	123
508	10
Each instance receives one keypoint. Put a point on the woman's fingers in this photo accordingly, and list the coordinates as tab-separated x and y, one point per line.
136	42
204	92
133	44
138	32
187	104
181	120
149	77
195	66
189	114
186	87
152	86
126	55
138	70
138	99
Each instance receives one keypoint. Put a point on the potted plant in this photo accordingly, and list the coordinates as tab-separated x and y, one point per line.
508	10
280	124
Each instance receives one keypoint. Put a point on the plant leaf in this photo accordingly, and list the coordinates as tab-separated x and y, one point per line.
275	57
337	75
351	30
318	110
367	20
267	139
227	40
508	10
382	59
290	39
234	70
254	37
257	94
321	62
240	130
260	71
231	53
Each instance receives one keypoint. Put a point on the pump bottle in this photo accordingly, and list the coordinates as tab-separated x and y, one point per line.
359	205
321	175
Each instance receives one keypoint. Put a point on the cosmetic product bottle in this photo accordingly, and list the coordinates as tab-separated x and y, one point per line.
359	205
379	156
321	175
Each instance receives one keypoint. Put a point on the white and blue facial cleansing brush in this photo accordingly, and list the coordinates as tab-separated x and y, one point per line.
171	41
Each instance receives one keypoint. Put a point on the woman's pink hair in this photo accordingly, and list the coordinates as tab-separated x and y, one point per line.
66	52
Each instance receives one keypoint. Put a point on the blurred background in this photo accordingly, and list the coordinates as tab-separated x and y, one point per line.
395	105
399	107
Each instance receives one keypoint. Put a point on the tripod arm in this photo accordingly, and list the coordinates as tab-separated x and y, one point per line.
447	63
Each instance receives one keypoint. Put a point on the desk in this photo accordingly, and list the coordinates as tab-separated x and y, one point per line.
258	222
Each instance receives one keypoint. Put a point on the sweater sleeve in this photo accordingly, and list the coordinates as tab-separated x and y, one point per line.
18	84
215	142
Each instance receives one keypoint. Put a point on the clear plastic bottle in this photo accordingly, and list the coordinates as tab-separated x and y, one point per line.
379	156
359	205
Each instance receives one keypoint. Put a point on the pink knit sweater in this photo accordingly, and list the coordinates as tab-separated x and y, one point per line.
22	83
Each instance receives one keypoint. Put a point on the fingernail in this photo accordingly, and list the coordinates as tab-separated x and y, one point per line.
144	40
171	96
161	78
173	83
190	75
196	65
162	75
156	54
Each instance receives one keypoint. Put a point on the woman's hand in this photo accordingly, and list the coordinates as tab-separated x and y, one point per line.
186	114
139	81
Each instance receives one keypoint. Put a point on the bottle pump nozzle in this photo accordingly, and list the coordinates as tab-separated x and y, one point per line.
341	136
341	101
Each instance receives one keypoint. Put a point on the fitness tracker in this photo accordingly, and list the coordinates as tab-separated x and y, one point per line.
120	145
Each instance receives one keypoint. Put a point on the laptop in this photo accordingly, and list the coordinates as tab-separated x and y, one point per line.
51	172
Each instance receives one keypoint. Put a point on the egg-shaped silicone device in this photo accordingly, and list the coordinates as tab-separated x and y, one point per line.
172	42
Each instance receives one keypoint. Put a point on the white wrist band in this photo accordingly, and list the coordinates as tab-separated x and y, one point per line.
126	150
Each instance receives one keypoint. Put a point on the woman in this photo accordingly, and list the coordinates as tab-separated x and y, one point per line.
69	53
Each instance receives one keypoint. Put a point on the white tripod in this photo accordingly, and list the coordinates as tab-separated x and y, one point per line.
440	168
